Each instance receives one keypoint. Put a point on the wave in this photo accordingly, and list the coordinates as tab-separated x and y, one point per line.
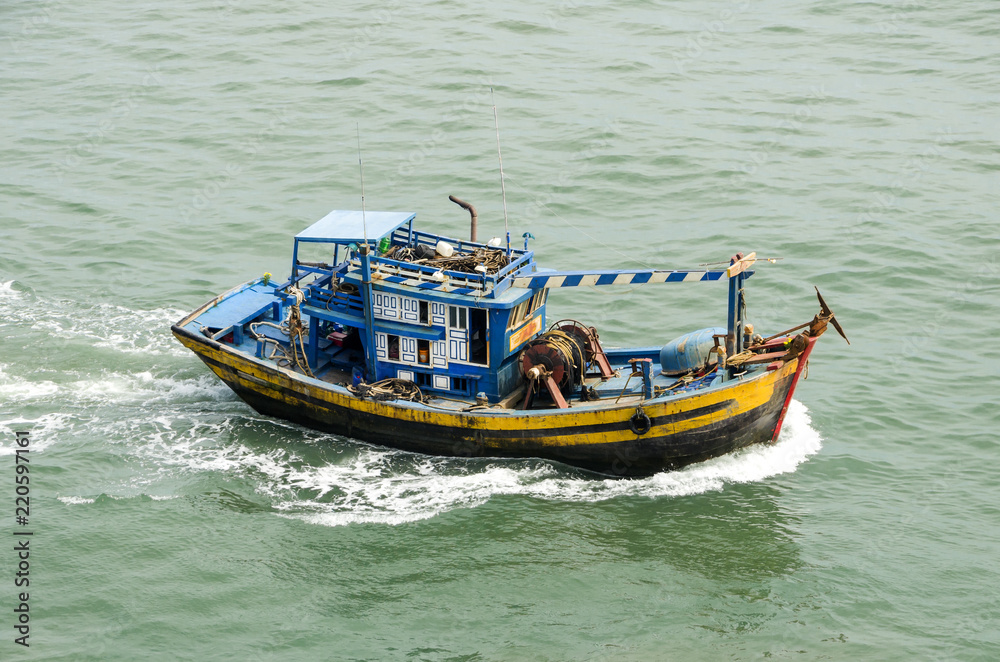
145	387
368	495
14	388
7	289
385	486
83	500
111	388
105	325
44	430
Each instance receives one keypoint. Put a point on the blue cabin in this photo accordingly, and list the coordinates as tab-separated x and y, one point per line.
371	298
449	331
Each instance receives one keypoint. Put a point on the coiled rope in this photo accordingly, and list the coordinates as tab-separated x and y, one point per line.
392	388
569	347
295	330
493	260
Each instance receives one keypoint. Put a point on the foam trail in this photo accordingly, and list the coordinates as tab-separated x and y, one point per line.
43	431
82	500
392	487
115	388
108	326
18	389
75	500
145	388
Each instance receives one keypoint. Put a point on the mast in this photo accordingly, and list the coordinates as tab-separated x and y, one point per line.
366	279
361	165
503	189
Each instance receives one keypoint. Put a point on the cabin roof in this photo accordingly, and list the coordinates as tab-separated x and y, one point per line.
345	226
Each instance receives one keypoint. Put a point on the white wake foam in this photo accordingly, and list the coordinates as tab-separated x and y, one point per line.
82	500
75	500
112	388
43	431
391	487
7	289
111	327
105	325
17	389
144	387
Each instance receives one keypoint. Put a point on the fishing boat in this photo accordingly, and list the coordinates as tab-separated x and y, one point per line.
413	340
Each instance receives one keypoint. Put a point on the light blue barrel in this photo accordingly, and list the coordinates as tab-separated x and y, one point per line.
689	352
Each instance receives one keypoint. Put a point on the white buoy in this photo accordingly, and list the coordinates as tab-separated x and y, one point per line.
444	249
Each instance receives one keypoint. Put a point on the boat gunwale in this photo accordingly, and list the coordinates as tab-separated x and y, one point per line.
501	413
233	291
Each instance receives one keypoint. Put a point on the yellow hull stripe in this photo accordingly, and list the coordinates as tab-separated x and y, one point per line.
282	385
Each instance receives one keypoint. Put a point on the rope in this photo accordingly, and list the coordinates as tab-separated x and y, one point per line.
568	346
389	389
683	381
739	359
277	345
494	260
294	329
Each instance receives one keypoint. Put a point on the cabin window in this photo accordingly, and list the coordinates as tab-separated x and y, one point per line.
459	384
423	379
517	314
478	336
393	347
538	300
424	351
523	310
424	317
458	317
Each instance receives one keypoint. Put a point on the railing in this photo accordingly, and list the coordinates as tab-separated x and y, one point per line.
381	265
480	283
350	303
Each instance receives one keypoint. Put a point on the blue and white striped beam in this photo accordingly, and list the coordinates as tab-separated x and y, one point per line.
552	279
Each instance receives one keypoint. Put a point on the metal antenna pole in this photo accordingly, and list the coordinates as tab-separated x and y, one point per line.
503	189
366	281
361	165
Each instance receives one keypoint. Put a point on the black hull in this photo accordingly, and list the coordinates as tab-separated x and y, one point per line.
676	438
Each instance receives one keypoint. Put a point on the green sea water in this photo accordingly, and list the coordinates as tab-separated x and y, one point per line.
154	155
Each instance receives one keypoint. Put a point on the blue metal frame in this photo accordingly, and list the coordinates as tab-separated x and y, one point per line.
499	294
366	299
735	321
